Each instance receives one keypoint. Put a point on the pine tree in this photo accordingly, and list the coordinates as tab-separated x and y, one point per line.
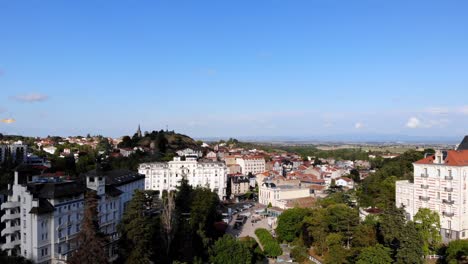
91	243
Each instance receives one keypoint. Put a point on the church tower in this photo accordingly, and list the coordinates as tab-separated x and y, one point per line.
139	132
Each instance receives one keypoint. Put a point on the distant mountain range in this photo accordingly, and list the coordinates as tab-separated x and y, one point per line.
348	138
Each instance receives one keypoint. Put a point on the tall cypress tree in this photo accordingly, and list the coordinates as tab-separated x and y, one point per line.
90	242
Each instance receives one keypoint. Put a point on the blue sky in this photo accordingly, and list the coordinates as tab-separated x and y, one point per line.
235	68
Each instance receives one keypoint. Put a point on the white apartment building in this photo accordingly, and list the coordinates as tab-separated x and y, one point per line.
188	152
278	195
162	176
43	214
440	184
251	164
17	151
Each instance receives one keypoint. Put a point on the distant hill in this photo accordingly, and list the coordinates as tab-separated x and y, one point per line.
167	142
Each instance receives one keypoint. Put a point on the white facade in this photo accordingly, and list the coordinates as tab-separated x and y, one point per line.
278	195
251	164
162	176
188	152
43	217
440	184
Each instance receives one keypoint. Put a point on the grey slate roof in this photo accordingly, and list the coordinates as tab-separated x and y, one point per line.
464	144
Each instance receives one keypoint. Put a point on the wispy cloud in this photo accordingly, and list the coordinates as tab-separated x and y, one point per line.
358	125
463	110
414	122
438	110
31	97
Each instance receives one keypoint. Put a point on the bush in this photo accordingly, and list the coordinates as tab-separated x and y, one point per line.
271	247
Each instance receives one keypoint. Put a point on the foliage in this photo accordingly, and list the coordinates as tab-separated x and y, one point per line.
377	254
5	259
271	248
290	223
228	250
91	243
410	250
428	225
457	252
137	229
378	190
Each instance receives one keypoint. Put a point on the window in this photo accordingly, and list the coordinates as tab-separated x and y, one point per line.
60	220
438	172
449	223
438	195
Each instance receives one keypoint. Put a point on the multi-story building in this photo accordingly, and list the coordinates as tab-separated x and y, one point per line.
280	195
162	176
43	214
188	152
17	151
239	184
251	164
440	184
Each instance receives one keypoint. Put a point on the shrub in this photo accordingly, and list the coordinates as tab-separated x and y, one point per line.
271	247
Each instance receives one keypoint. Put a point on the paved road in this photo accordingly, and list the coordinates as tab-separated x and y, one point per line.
248	229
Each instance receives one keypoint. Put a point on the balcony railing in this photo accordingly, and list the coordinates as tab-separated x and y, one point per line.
448	189
424	198
446	201
448	178
424	186
424	175
448	214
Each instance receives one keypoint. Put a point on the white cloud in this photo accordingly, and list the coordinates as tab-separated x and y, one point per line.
438	110
413	122
358	125
31	97
464	110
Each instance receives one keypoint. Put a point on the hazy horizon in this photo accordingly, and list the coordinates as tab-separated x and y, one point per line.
244	69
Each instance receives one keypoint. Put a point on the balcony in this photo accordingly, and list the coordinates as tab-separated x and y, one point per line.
11	230
448	189
448	178
446	201
448	214
424	186
424	198
10	205
424	175
10	217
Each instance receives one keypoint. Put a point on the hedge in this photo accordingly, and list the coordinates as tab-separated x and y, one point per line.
271	248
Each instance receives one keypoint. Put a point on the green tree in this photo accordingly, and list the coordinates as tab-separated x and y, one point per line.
91	242
354	173
336	253
228	250
410	249
377	254
137	229
457	252
428	225
290	223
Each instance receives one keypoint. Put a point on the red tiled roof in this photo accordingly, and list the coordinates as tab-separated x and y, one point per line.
454	158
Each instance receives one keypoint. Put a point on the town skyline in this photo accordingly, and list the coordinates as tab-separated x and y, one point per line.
264	69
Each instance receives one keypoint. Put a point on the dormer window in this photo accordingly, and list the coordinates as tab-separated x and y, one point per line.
91	179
